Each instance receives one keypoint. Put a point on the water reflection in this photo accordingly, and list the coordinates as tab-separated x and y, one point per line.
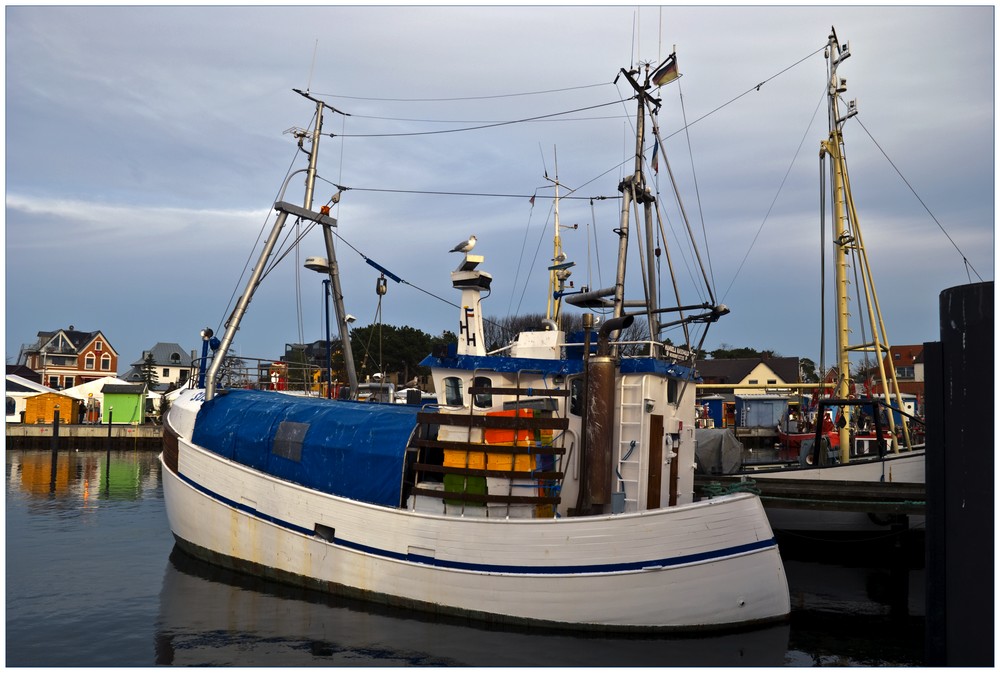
78	477
213	617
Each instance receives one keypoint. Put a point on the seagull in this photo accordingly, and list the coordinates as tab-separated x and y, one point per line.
465	246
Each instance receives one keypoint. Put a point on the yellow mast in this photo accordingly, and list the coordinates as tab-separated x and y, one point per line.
559	270
847	241
552	307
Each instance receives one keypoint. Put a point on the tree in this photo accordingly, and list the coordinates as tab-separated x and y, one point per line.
807	370
387	349
147	372
233	373
727	352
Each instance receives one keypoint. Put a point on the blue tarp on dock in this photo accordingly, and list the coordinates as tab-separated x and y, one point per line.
351	449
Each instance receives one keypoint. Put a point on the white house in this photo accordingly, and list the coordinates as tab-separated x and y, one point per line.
17	390
172	365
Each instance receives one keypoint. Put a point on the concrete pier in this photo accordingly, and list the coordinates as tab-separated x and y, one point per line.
22	436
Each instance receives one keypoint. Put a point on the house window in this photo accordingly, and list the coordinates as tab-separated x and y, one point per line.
904	372
175	357
98	346
68	381
483	400
105	362
771	382
89	364
166	372
53	382
453	391
752	382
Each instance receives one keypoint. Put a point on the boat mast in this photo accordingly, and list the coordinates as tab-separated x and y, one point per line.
560	269
331	252
284	210
842	237
554	302
847	240
634	190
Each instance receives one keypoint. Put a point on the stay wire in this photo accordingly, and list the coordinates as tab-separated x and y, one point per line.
781	186
250	255
697	189
461	98
478	127
968	264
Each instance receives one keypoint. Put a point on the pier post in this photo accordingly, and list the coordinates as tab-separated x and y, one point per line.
959	380
55	429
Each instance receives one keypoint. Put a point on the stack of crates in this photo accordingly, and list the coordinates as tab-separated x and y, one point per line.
520	462
476	460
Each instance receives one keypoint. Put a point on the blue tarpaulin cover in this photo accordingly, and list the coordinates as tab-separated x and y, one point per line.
351	449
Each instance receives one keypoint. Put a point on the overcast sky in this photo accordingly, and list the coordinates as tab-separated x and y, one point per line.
145	146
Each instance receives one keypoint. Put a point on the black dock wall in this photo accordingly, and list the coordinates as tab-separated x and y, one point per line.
959	383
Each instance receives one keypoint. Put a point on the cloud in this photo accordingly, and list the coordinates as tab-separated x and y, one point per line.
145	146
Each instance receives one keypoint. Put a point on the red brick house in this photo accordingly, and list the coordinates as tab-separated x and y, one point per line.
68	357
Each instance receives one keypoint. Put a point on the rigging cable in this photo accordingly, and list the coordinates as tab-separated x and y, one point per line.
462	98
524	241
775	199
968	264
250	256
478	127
686	221
697	189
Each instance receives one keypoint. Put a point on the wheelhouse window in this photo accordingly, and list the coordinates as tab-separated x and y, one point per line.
672	391
483	400
453	391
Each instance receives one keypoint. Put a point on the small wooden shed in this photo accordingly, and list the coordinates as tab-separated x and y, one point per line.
124	403
41	408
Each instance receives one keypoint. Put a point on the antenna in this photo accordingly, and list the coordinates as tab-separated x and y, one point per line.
312	67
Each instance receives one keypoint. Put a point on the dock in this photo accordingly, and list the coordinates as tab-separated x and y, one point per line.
22	436
834	495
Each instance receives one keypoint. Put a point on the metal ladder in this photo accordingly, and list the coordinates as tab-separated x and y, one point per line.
628	462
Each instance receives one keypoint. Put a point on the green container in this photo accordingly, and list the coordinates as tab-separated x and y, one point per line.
457	483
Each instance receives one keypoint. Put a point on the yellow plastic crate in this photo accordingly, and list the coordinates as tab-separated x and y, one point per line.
502	461
471	459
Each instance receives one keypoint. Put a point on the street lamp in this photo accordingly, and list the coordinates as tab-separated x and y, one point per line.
320	265
206	336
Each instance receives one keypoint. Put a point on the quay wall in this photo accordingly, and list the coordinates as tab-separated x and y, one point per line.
84	437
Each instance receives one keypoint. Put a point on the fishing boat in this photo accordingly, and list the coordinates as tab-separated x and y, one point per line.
550	484
854	435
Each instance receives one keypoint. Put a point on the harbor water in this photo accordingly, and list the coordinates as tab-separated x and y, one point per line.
93	579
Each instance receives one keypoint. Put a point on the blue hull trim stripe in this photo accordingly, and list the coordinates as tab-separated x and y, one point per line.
632	566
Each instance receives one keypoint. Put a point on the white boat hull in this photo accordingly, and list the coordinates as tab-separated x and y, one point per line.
708	564
905	467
